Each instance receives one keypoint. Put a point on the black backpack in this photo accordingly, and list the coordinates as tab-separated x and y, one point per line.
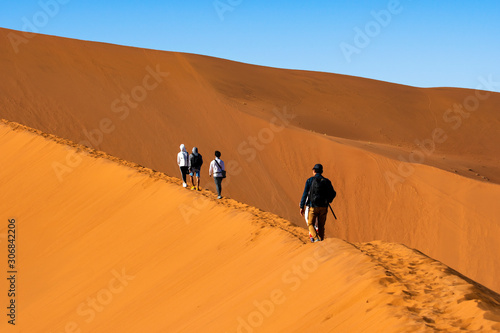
321	192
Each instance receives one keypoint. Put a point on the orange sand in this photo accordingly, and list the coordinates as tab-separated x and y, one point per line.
111	249
272	126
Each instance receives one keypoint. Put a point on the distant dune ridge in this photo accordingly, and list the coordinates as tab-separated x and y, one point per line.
108	250
410	165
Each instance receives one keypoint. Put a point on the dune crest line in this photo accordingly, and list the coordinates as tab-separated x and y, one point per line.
107	239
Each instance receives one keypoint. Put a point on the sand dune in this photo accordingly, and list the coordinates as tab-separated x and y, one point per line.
272	125
117	247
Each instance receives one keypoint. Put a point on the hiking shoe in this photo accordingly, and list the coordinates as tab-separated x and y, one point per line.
198	188
312	239
193	188
219	197
317	240
184	185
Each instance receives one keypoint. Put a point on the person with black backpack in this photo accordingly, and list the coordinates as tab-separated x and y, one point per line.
195	163
318	194
218	170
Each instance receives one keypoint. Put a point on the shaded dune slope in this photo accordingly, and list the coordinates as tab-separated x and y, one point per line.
111	249
272	125
78	82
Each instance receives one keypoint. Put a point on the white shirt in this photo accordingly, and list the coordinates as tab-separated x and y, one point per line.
183	159
214	168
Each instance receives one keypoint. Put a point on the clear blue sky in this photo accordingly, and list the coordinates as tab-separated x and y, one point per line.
426	43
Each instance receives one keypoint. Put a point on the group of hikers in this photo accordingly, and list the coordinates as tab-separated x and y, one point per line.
191	164
316	198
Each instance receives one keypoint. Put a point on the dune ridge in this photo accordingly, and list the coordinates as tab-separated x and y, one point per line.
272	125
104	251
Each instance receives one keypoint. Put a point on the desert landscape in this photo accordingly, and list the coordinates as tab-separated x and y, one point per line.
109	240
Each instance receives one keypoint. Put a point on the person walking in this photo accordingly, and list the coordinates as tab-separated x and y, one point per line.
183	163
218	170
318	194
195	162
314	222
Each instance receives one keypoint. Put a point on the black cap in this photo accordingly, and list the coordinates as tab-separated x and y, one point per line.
318	168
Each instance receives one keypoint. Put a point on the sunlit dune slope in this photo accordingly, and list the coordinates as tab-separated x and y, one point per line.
272	126
117	247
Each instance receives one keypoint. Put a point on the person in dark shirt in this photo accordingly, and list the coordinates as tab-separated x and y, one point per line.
195	163
318	194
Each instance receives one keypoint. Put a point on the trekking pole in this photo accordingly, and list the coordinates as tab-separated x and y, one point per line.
332	211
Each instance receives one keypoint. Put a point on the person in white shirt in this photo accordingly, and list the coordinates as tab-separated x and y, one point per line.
218	170
183	163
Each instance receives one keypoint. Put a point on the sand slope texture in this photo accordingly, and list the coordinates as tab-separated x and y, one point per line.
413	166
112	249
